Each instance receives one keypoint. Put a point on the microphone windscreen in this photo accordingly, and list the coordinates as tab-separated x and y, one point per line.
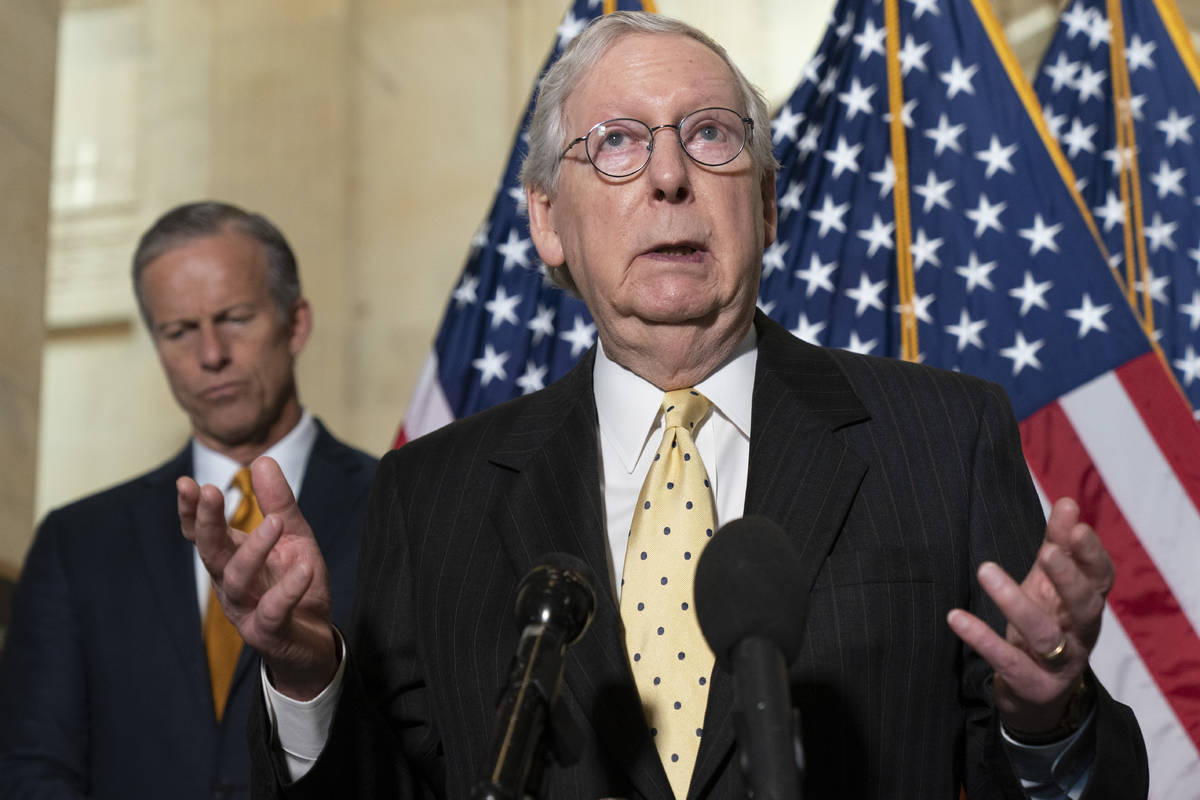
746	585
558	591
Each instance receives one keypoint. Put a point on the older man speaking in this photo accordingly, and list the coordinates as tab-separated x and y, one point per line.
925	667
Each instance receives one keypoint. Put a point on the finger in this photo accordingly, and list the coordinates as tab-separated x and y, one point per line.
240	578
276	605
1035	624
275	496
211	534
1081	597
188	495
1008	661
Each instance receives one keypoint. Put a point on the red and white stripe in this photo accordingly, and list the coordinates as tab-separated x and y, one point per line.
1126	447
428	410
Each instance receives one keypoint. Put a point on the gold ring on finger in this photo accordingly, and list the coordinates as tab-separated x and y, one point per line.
1058	653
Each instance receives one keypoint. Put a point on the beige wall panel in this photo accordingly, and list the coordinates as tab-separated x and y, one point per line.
28	39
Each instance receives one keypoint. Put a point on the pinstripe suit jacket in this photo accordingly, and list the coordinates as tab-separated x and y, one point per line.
893	481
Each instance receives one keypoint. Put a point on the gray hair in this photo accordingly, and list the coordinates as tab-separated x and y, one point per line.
547	130
210	218
548	133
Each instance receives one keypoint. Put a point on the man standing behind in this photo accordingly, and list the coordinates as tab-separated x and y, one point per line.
121	677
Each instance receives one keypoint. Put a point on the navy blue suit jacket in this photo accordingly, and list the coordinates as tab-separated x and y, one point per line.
104	688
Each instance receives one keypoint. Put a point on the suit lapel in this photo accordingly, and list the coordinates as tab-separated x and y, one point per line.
555	505
170	568
801	475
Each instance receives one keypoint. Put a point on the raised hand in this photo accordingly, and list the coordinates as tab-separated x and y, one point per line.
272	583
1053	622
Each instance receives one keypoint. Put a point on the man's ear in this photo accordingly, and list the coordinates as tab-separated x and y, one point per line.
301	323
770	209
542	229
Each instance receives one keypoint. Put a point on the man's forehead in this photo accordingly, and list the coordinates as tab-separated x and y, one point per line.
655	71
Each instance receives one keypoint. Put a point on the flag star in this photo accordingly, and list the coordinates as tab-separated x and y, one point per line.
1140	54
785	124
465	292
925	5
844	157
517	193
1160	233
1175	127
997	157
830	216
503	308
1195	256
491	365
919	306
845	29
1089	316
542	323
1112	212
817	275
480	239
773	257
1054	122
791	198
934	192
1089	82
1119	157
857	345
871	40
829	83
1136	103
912	55
1077	19
808	331
570	28
866	294
1192	310
1099	31
977	274
878	235
906	113
810	141
515	250
1041	236
924	250
958	78
1061	72
967	331
812	70
885	177
533	379
986	216
1168	180
858	98
767	306
580	337
1189	365
1031	293
1079	138
1023	353
945	135
1157	287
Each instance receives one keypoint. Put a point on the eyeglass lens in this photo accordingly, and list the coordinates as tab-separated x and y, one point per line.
711	136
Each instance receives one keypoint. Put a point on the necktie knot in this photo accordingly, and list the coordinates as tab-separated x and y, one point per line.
248	514
684	408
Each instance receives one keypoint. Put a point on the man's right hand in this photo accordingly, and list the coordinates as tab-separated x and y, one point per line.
272	583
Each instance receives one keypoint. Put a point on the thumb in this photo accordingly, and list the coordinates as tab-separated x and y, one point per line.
270	487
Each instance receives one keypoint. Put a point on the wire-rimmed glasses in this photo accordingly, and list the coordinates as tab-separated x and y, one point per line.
620	147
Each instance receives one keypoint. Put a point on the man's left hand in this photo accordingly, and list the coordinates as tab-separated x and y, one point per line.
1053	622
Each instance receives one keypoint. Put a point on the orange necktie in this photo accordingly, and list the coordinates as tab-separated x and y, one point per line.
221	640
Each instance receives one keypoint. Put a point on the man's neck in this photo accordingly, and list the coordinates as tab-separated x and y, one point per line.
677	356
250	448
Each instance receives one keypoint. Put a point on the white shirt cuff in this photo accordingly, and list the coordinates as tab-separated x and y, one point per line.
302	727
1055	771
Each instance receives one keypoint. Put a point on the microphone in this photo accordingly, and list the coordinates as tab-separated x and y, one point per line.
752	613
555	603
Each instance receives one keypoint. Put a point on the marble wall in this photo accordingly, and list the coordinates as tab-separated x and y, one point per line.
371	131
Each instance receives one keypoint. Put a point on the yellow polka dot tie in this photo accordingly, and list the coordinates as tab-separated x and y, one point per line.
672	523
222	644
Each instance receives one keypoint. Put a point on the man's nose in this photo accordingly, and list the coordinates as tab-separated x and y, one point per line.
670	166
214	350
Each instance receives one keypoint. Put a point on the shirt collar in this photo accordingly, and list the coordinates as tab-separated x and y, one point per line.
628	406
291	452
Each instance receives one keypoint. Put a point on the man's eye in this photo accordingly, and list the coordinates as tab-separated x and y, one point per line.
615	139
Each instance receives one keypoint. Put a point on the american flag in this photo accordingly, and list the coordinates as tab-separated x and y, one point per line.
1156	75
1007	282
506	331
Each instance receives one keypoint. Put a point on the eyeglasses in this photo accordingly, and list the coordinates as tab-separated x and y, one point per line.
620	147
